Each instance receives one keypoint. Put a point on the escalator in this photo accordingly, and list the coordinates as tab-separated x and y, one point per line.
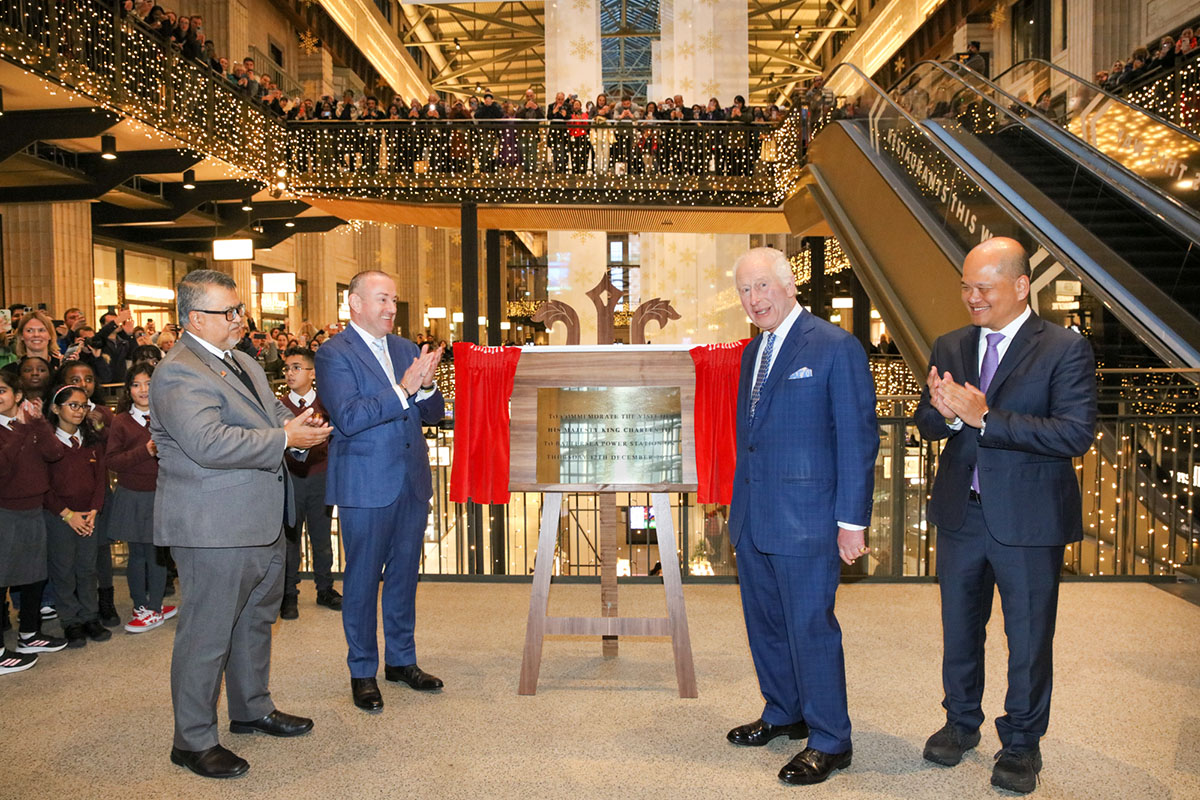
913	178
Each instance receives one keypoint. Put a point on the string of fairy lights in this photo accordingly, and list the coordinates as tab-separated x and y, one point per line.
1161	98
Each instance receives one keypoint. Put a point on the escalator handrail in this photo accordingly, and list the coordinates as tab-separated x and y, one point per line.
1099	90
1155	201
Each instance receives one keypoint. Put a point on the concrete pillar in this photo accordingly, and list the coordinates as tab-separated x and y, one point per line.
48	255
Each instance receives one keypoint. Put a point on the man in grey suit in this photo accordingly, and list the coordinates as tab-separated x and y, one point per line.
223	492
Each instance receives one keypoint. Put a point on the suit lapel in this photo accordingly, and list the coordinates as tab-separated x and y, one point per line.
222	371
363	351
1020	347
746	382
970	357
791	349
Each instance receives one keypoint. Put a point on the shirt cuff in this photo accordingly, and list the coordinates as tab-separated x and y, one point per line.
403	397
425	394
956	425
850	527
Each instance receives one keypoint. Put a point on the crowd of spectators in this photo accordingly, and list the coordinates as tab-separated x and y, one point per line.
1171	51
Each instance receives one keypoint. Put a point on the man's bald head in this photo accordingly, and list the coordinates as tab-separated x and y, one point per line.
1007	255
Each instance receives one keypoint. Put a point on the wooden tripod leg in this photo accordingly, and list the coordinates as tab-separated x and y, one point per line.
539	595
681	642
608	566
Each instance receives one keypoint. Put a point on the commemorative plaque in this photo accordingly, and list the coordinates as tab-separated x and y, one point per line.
609	435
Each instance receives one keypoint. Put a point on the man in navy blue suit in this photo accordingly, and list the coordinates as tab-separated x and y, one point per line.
806	444
1016	399
378	390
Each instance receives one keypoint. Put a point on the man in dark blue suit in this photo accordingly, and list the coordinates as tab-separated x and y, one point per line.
378	390
1016	398
806	444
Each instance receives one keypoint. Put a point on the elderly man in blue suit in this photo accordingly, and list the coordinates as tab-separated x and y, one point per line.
378	390
1015	399
806	443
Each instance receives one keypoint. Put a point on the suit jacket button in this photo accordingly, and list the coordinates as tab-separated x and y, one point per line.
750	448
747	480
279	478
406	445
404	418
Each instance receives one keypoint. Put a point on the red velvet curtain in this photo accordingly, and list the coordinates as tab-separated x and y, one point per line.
718	367
483	384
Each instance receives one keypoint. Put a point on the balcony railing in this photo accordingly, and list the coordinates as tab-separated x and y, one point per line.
510	160
1171	96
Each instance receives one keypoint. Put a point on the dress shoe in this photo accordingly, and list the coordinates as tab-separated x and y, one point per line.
946	747
330	599
812	766
758	733
414	676
366	694
215	762
276	723
289	608
1017	770
96	632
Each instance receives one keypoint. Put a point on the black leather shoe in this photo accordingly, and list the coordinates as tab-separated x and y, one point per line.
289	608
215	762
96	632
366	694
76	636
276	723
812	766
758	733
330	599
109	617
414	676
1017	771
946	747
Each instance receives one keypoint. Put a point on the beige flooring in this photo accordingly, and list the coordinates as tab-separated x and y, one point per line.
96	723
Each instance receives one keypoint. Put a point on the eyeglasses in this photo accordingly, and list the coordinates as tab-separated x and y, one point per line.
74	406
297	368
230	314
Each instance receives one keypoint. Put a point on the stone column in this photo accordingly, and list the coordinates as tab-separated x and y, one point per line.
48	255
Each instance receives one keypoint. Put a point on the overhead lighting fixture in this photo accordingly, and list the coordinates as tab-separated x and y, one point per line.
233	249
278	282
457	46
189	179
108	147
247	204
281	178
275	193
437	312
289	224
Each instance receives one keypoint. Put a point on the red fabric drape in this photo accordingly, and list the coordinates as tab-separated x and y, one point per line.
718	367
483	384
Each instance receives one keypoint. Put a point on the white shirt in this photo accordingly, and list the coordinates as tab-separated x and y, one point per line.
216	351
385	361
1009	331
307	398
7	422
67	438
139	416
781	333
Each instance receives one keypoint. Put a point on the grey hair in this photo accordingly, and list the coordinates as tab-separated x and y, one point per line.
357	281
772	258
192	291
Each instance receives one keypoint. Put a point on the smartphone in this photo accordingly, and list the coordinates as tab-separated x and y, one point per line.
112	310
5	320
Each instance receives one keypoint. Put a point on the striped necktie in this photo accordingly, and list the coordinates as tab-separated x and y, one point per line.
763	368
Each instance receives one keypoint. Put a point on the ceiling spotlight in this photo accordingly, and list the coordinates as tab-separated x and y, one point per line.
457	46
798	29
247	205
289	224
108	147
189	179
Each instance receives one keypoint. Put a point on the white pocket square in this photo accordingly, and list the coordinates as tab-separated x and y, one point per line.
803	372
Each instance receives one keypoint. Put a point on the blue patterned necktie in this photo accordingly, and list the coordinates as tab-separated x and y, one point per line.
987	371
763	368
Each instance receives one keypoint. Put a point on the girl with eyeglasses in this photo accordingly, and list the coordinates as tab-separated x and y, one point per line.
27	445
132	455
73	501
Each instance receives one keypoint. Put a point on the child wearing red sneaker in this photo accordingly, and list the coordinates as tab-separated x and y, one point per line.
134	458
27	444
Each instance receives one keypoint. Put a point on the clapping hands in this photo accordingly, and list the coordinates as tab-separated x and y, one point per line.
953	399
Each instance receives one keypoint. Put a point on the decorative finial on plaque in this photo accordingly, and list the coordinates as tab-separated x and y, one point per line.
656	310
553	311
605	307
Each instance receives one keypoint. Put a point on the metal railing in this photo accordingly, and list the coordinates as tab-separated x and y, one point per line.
1171	96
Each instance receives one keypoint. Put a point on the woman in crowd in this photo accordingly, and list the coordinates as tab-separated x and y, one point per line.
132	456
649	145
27	445
35	337
580	145
72	502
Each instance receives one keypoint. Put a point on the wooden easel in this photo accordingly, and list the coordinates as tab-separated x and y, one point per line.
601	366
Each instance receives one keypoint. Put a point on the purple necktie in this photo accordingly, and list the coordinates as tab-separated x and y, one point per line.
987	371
